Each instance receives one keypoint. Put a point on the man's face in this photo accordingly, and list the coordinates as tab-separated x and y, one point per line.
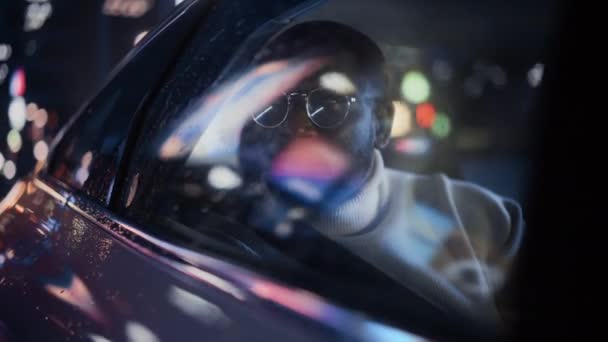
308	157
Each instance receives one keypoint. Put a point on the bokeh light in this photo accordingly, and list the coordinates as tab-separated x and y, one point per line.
415	87
442	126
42	117
13	139
223	178
1	161
17	113
413	145
9	170
5	52
402	121
425	115
17	86
41	150
535	75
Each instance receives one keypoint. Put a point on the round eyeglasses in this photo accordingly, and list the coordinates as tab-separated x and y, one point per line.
325	109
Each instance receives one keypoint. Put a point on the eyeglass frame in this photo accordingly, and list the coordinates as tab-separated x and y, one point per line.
349	101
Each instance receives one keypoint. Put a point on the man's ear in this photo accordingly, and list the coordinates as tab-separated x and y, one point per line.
384	123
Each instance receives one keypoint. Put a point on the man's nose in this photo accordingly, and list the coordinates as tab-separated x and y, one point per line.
302	122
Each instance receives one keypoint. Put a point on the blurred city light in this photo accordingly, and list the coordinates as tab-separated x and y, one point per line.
36	14
9	170
41	118
413	145
425	115
415	87
16	113
535	75
338	83
402	121
5	52
223	178
17	86
13	139
41	150
442	126
1	161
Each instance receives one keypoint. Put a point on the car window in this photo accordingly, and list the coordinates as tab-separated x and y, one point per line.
356	151
88	155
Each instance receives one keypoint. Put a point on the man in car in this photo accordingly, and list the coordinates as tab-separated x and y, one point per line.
317	146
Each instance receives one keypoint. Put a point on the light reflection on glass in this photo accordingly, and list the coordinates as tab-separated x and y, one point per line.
535	75
197	307
137	332
212	131
223	178
69	288
338	83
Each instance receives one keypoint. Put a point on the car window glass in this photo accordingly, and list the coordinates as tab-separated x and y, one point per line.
88	155
348	153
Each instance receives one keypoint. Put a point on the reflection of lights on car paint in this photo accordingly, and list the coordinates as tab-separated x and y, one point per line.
17	85
82	174
41	150
86	159
42	117
197	307
372	331
36	15
1	161
5	52
415	87
16	113
9	170
413	145
137	332
3	72
442	70
442	126
98	338
337	82
126	8
139	37
177	2
223	178
425	115
283	229
13	139
535	75
402	120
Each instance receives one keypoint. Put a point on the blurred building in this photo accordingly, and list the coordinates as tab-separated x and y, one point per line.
54	54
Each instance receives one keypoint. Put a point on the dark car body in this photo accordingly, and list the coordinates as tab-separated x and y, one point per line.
75	269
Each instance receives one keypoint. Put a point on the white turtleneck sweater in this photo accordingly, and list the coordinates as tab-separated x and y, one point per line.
449	241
